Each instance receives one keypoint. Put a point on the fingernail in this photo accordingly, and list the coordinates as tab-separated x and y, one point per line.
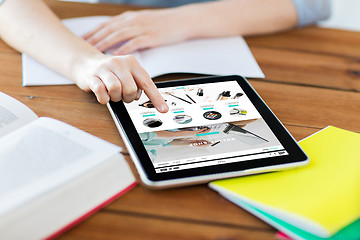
164	107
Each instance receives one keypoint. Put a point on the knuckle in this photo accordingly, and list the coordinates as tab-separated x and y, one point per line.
113	87
131	58
102	100
113	92
129	91
146	84
111	27
97	89
116	97
111	63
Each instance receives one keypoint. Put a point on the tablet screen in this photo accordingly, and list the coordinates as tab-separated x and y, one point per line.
207	124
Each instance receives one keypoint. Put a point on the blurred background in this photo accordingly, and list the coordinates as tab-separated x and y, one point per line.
344	14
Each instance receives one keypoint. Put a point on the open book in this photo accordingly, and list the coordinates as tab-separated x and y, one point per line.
318	202
52	175
216	56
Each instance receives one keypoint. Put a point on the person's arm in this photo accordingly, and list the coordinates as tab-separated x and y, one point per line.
151	28
31	27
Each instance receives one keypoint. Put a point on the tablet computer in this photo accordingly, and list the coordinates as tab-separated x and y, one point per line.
216	127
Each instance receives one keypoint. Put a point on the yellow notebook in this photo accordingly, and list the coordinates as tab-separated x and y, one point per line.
321	198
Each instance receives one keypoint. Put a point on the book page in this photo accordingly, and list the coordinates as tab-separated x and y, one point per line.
13	114
216	56
44	155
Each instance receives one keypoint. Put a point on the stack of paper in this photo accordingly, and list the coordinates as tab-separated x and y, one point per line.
320	201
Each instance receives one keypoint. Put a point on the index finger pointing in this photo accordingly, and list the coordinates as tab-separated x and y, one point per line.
145	83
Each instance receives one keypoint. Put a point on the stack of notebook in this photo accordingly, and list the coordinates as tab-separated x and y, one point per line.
320	201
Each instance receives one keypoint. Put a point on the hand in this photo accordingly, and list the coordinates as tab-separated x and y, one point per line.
117	78
140	30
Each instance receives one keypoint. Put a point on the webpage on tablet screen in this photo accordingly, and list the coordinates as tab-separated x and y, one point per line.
207	124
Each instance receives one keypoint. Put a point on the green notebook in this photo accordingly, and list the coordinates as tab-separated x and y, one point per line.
349	232
319	201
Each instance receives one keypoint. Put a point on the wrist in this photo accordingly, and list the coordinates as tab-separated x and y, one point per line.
192	21
214	19
83	63
206	20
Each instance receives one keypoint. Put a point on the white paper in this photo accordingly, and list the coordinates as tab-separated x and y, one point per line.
217	56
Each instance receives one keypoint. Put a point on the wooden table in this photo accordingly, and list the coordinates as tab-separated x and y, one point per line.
312	81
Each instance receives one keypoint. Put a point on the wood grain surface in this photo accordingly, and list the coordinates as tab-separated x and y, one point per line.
312	81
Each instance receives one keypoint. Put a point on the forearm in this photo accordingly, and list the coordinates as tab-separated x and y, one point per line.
30	27
238	17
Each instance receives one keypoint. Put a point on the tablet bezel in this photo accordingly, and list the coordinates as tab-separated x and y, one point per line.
296	156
